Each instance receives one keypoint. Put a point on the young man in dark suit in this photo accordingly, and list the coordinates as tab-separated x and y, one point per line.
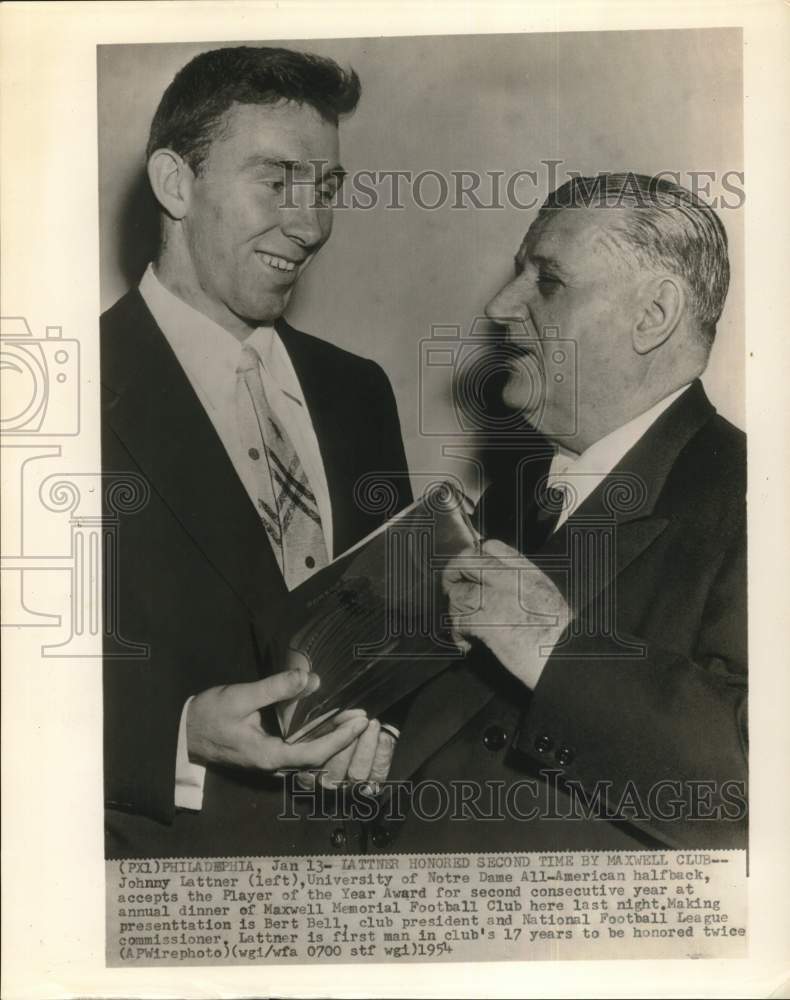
603	701
251	438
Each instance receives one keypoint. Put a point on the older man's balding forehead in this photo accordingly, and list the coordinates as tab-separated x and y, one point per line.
556	233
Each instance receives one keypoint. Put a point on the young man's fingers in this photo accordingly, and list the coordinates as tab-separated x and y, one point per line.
315	753
333	773
347	714
244	699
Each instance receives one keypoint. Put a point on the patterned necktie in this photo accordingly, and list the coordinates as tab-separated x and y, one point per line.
286	504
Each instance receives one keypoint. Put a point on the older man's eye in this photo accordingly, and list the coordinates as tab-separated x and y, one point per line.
324	195
547	283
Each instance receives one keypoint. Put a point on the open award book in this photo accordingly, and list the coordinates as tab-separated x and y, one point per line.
373	623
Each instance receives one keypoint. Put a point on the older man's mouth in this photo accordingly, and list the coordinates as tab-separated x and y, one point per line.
522	347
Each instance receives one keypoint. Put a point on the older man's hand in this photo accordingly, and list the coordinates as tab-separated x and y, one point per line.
505	601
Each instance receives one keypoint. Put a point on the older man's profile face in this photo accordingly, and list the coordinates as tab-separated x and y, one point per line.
571	280
249	231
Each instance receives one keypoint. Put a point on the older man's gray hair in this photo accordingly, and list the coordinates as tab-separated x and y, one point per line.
660	225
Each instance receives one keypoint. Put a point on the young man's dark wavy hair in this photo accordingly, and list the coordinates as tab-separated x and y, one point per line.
193	107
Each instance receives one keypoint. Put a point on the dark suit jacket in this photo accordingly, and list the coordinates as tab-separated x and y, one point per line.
647	691
193	576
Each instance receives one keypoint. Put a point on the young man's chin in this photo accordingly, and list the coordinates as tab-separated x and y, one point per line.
264	310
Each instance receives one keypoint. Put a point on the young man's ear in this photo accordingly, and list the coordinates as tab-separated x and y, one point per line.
662	309
171	181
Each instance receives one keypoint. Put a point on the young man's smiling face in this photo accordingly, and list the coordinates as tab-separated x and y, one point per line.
248	229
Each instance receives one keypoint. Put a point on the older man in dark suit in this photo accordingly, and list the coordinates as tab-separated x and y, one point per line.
251	437
602	703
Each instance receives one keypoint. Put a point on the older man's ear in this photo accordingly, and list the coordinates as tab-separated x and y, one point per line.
662	309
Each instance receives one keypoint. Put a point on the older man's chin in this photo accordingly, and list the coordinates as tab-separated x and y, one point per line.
523	399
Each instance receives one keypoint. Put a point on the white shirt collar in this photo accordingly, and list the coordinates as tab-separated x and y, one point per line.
602	456
577	476
208	352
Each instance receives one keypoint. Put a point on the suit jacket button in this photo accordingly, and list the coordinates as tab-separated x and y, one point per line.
309	562
543	744
338	838
564	756
494	738
381	838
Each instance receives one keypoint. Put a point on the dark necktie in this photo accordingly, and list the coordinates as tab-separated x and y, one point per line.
549	501
527	528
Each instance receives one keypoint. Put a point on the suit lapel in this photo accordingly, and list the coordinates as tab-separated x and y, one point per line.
587	553
627	499
163	425
621	518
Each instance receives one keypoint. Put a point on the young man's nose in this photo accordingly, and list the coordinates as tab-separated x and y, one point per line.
302	222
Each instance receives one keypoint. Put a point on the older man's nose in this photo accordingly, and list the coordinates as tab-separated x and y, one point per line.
506	306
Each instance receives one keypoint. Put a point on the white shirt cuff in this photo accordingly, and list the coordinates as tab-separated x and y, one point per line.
189	777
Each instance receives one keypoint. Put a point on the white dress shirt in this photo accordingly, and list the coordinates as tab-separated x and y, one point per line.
584	472
210	356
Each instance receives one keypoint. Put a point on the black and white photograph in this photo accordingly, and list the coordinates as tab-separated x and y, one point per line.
397	506
521	284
